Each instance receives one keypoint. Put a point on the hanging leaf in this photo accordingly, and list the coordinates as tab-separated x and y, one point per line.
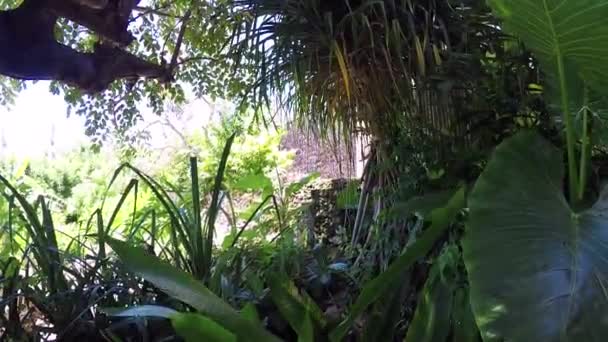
431	321
538	270
385	316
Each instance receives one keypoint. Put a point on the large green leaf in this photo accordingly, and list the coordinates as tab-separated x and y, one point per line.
538	271
573	30
184	287
570	39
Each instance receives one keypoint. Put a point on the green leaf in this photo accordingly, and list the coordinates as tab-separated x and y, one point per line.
184	287
253	182
251	313
140	311
214	208
20	172
306	331
569	38
255	208
298	310
431	320
537	269
422	205
464	326
194	328
375	288
382	322
574	30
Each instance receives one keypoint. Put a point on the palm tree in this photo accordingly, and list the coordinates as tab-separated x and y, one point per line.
358	65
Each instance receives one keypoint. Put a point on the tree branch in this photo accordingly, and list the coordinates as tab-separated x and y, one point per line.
29	51
157	11
109	22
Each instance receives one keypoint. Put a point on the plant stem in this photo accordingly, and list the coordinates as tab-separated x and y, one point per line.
584	150
197	233
572	172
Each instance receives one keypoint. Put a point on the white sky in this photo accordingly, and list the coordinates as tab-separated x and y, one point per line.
39	117
26	128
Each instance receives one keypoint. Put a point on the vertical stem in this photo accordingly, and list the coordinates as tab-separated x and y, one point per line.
233	218
585	152
196	215
153	230
101	237
175	242
11	204
277	209
572	172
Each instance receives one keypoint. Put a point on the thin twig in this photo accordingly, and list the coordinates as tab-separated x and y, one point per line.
157	11
180	39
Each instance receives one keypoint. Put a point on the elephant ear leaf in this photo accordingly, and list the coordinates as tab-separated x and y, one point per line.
561	33
538	271
568	37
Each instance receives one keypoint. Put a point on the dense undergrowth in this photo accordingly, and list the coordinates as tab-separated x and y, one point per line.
217	233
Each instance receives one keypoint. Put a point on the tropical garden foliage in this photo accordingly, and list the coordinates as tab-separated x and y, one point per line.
479	215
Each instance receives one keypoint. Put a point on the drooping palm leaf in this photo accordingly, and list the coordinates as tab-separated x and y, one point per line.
349	65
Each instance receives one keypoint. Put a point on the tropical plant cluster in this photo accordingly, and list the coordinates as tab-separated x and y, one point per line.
479	215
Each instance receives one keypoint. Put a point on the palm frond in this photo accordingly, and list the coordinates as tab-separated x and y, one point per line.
352	65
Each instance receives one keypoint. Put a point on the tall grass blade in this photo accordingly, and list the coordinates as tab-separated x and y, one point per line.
196	215
101	236
214	206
